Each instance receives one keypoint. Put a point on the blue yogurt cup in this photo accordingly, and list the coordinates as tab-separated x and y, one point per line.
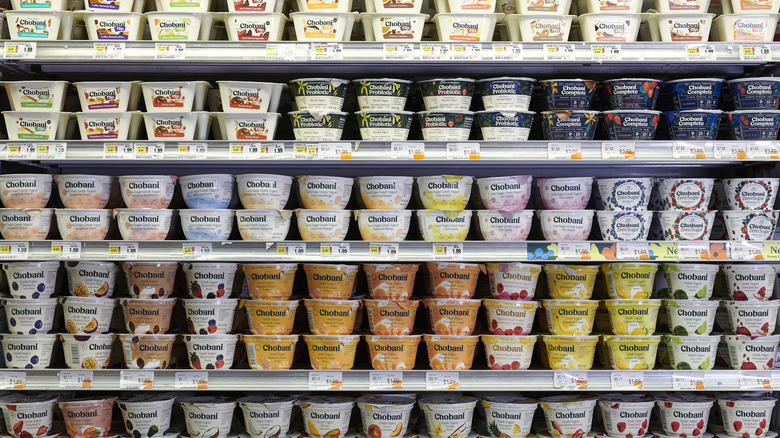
755	93
754	125
631	124
632	93
702	93
693	124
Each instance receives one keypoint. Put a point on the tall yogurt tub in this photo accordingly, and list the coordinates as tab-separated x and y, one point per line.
29	414
509	352
208	417
332	352
27	352
691	352
624	416
513	281
210	352
146	414
508	415
87	417
393	352
151	316
686	414
209	280
746	414
147	351
751	282
270	281
266	415
324	192
207	191
326	413
84	191
565	193
685	194
87	352
31	279
448	415
752	318
393	282
384	192
264	191
384	415
751	193
571	282
210	317
568	415
509	193
331	282
625	193
690	317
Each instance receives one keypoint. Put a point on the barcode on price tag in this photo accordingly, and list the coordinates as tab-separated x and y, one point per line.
574	250
75	379
730	150
13	380
192	151
290	249
570	380
335	250
623	380
758	381
761	52
463	151
746	250
566	151
435	52
688	151
383	250
385	380
136	379
109	51
558	52
466	52
170	51
66	250
123	251
20	50
693	251
441	380
334	151
688	381
326	51
763	151
193	251
606	52
398	52
191	380
700	52
448	251
507	52
148	151
618	150
632	251
117	151
409	151
14	250
320	380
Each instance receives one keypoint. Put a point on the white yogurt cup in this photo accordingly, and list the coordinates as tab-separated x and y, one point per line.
210	317
179	26
685	194
565	193
266	414
576	413
686	225
175	96
84	191
751	193
500	225
254	26
752	353
323	26
625	193
250	97
448	414
207	191
509	193
384	192
387	415
393	26
25	224
170	126
539	27
248	126
624	416
91	278
263	225
210	352
264	191
33	96
692	352
754	282
330	225
209	280
207	223
752	318
31	280
34	413
29	316
27	352
383	94
680	27
331	413
758	225
624	225
687	281
550	7
609	27
692	6
746	415
147	414
562	225
513	415
147	191
446	192
25	190
383	225
108	126
324	6
108	96
466	27
318	126
319	94
684	414
444	225
691	317
143	223
114	26
28	125
87	315
87	352
83	224
39	25
208	416
324	192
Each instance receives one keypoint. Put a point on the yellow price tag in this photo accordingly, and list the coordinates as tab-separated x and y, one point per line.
42	149
440	250
56	249
373	250
110	149
188	250
281	250
311	150
183	149
11	48
140	150
325	250
236	149
5	249
14	149
748	50
113	250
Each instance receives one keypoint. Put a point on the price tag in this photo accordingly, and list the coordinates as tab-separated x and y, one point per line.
326	51
746	251
442	380
632	251
336	250
13	380
290	249
244	151
148	151
383	250
75	379
109	51
700	52
117	151
507	52
14	250
688	381
466	52
136	379
763	151
570	380
21	151
693	251
20	50
558	52
273	151
385	380
334	151
752	52
730	150
123	251
463	151
564	151
687	151
170	51
280	52
435	52
410	151
192	151
191	380
51	151
606	52
66	250
195	251
448	251
305	151
623	380
320	380
620	150
398	52
574	250
758	381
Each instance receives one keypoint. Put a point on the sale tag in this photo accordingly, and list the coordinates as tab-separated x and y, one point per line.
570	380
448	251
632	251
746	251
755	52
623	380
66	250
408	151
618	150
170	51
383	250
507	52
466	52
323	380
441	380
136	379
20	50
148	151
280	52
195	251
727	150
293	250
13	379
463	151
566	151
687	151
109	51
385	380
763	151
117	151
398	52
14	250
192	151
574	250
191	380
700	52
334	151
75	379
689	381
326	51
335	250
693	251
606	52
558	52
123	251
758	381
435	52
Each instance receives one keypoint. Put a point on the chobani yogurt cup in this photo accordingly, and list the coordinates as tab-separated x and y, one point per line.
143	223
384	192
326	413
263	225
538	27
499	225
147	351
624	225
686	225
150	316
632	352
685	194
271	317
446	192
27	352
209	280
570	317
691	352
684	414
384	125
513	281
25	224
620	194
447	415
752	318
453	94
270	281
446	125
312	126
210	317
509	415
29	316
631	124
624	416
565	193
324	192
563	225
147	414
691	317
756	225
91	278
388	352
391	318
568	416
36	96
84	191
751	193
108	96
508	352
384	415
330	282
452	280
632	94
264	191
28	125
567	282
206	223
633	317
444	225
390	281
25	190
319	94
752	353
508	193
506	317
746	415
331	317
568	94
208	416
210	352
699	93
207	191
755	93
87	417
147	191
693	124
629	280
87	315
569	353
28	414
330	225
266	414
175	96
31	280
687	281
569	125
506	93
83	224
88	352
331	352
449	316
382	94
323	26
753	124
749	282
383	225
450	352
505	124
150	280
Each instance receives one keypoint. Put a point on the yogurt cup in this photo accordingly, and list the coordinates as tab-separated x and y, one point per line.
84	191
87	417
209	280
382	94
384	125
210	317
513	281
751	193
329	225
632	93
631	124
147	316
25	224
175	96
756	353
510	318
176	6
446	125
508	411
393	26
621	194
39	25
270	317
752	318
330	282
691	317
565	193
31	280
749	282
271	282
266	414
683	414
263	225
452	280
150	280
568	94
691	353
108	96
698	93
29	125
147	414
624	416
562	225
85	316
693	6
87	352
693	124
508	352
571	281
502	125
393	282
689	281
745	28
755	93
264	191
453	317
147	191
208	416
31	190
392	353
686	225
28	413
445	192
143	223
329	413
83	224
317	126
147	351
569	125
629	280
383	225
27	352
87	279
570	317
754	124
447	94
331	317
632	352
29	316
384	192
206	223
210	352
746	414
444	225
450	352
248	126
539	27
179	26
448	414
323	26
569	353
624	225
568	415
386	415
319	94
758	225
508	193
180	125
391	318
35	96
633	317
251	97
684	26
331	353
114	26
506	93
553	7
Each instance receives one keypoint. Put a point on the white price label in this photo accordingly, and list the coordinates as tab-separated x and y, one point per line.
273	151
606	52
442	380
398	52
122	251
507	52
334	151
466	52
14	250
148	151
170	51
558	52
192	151
136	379
618	150
75	379
688	381
383	250
757	381
66	250
280	52
320	380
755	52
244	151
688	151
385	380
435	52
13	379
763	151
746	250
191	380
570	380
730	150
693	251
109	51
700	52
195	251
20	50
448	251
117	151
627	380
410	151
21	151
336	250
632	251
574	250
463	151
326	51
290	249
51	151
564	151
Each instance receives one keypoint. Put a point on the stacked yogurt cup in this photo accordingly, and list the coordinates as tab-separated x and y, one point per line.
264	198
755	103
249	109
750	203
324	199
631	103
146	198
569	115
533	21
506	101
466	20
39	104
625	216
175	110
695	115
85	216
443	199
208	198
109	110
382	103
447	102
25	216
383	200
565	200
319	103
685	202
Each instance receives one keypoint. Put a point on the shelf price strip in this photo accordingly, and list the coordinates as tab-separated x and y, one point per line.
442	380
75	379
693	251
632	251
688	381
117	151
606	52
290	249
570	380
730	150
622	381
688	151
761	52
20	50
398	52
763	151
385	380
191	380
746	250
191	251
170	51
383	250
13	380
192	151
326	51
136	379
65	250
435	52
319	380
466	52
507	52
448	251
15	251
700	52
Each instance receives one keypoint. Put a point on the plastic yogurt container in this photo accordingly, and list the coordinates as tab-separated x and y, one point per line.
691	353
746	414
633	317
175	96
609	26
206	224
331	317
512	415
384	125
691	317
114	26
632	93
755	93
570	317
393	352
746	282
565	193
505	124
451	316
686	225
29	125
744	225
452	280
693	124
263	225
506	93
752	353
444	225
323	26
318	125
569	352
209	280
383	225
629	280
448	414
680	27
147	316
324	192
210	352
386	415
538	27
632	352
621	194
509	352
754	124
568	94
31	280
108	96
685	194
752	318
568	415
30	190
269	281
248	126
451	94
498	225
29	413
147	351
87	352
624	416
751	193
330	225
208	416
207	191
87	315
384	192
446	125
147	191
394	282
569	124
689	281
264	191
319	94
210	317
179	26
27	352
382	94
151	280
624	225
450	353
631	124
745	27
143	224
513	281
87	417
251	97
331	352
266	414
446	192
25	224
509	193
271	317
330	282
391	318
684	413
83	224
573	225
329	413
551	7
695	93
84	191
91	278
393	26
571	281
33	96
29	316
510	318
147	414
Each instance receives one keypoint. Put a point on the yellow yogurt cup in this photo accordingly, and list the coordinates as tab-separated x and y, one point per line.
270	352
509	352
632	352
331	282
571	282
332	352
633	317
393	318
270	317
630	280
270	281
445	192
452	280
331	317
570	317
450	352
393	352
451	316
390	281
570	352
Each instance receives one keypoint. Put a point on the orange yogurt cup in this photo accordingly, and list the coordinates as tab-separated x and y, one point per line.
331	317
330	282
453	280
270	352
270	317
452	316
450	352
390	282
87	417
394	318
393	352
332	352
270	281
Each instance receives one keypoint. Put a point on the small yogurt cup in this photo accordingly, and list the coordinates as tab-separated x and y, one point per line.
147	414
506	93
27	352
331	317
29	125
680	27
330	225
319	94
565	193
572	225
755	93
176	126
689	281
539	27
210	352
384	125
452	280
179	26
567	282
446	125
114	26
754	124
570	317
450	413
148	316
31	280
691	353
324	192
318	125
624	225
758	225
175	96
254	25
631	124
685	194
87	352
629	280
446	192
686	225
266	413
568	94
330	282
147	191
323	412
746	414
264	191
510	318
393	26
693	124
108	96
632	352
621	194
570	353
691	317
747	282
34	25
25	190
752	353
143	223
87	315
497	225
150	280
748	28
35	96
508	411
382	94
206	224
147	351
504	125
391	318
508	352
383	225
513	281
250	97
751	193
509	193
208	415
752	318
109	126
209	280
385	414
633	317
269	281
270	317
323	26
698	93
450	353
85	417
270	352
83	224
32	412
684	413
25	224
207	191
91	278
331	352
569	124
248	126
451	316
444	225
568	414
384	192
394	282
625	415
393	352
459	27
29	316
84	191
632	93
